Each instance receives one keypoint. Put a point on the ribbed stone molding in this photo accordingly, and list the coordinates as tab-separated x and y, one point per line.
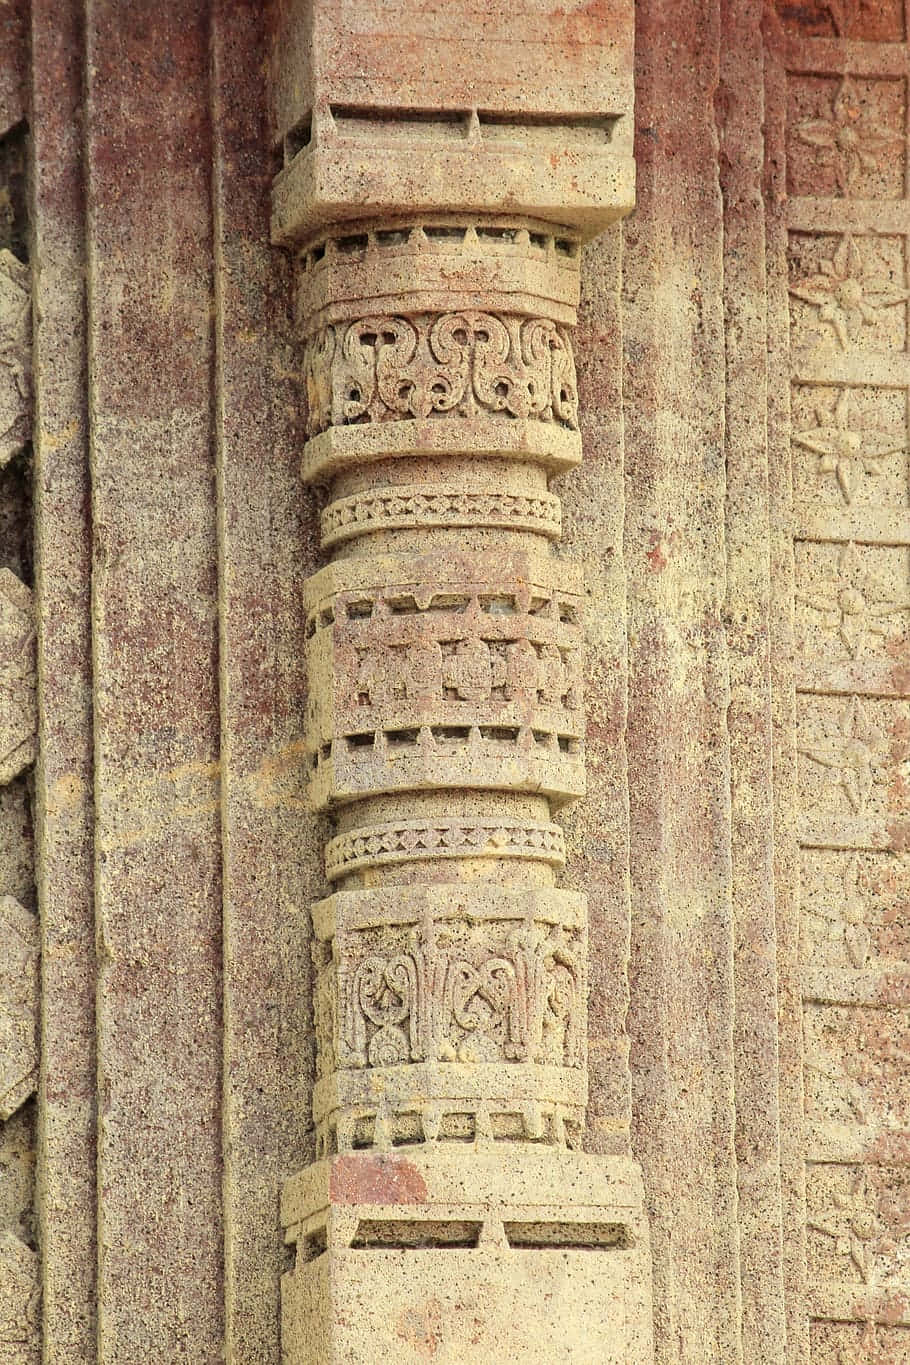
437	256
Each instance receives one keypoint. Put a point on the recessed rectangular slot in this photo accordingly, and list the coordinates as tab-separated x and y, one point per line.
451	733
360	611
437	232
413	1234
354	121
574	128
402	736
313	1244
499	606
568	1236
298	137
365	741
448	602
392	236
502	734
358	242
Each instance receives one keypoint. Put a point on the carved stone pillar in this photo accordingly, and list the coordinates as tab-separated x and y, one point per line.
437	252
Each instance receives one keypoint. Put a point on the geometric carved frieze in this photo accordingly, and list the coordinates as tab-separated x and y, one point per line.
402	841
424	677
457	1015
405	506
20	1296
15	356
18	707
19	947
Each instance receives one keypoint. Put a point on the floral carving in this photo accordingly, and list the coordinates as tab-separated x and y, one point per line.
847	294
852	1223
844	448
853	604
856	757
15	356
843	920
846	139
390	368
465	999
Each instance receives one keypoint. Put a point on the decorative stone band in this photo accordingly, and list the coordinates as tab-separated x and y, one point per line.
434	1018
415	506
456	1102
527	267
422	677
384	368
408	840
339	449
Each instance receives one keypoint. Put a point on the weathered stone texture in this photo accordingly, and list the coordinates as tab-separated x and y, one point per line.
629	732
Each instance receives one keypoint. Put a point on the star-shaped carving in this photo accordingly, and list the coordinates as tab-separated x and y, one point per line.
846	294
845	15
851	1220
856	756
844	448
847	139
843	919
853	603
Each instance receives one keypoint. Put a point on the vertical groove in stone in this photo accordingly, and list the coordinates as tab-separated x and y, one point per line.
782	640
597	829
262	557
739	107
64	776
158	844
681	1016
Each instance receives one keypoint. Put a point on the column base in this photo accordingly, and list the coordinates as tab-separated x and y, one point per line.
467	1253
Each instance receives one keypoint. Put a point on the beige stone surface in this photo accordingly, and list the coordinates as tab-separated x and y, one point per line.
398	808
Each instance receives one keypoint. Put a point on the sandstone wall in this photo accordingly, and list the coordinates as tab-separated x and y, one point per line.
741	519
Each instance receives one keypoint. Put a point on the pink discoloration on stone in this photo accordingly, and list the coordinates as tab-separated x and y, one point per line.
370	1179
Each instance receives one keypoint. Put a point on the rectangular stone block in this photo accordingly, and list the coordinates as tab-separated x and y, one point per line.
518	1255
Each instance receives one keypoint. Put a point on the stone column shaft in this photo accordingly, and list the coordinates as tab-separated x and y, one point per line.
437	279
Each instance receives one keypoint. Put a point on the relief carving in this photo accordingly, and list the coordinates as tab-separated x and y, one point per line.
15	355
845	447
20	1298
854	604
856	757
457	996
849	291
381	368
18	707
848	139
18	1005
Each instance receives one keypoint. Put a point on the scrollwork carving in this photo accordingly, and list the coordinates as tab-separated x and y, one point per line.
481	996
381	368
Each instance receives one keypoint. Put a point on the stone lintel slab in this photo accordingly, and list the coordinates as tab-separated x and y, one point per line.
337	180
516	1254
531	62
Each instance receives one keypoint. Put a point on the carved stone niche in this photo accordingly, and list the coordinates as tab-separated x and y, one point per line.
436	224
